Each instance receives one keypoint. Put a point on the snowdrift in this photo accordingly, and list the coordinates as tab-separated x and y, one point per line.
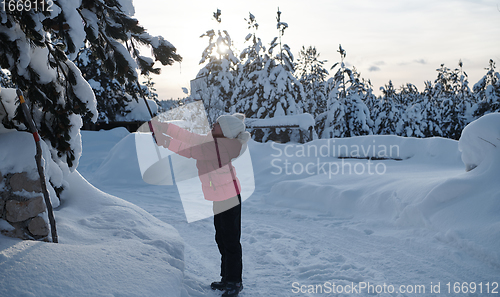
356	176
419	184
120	166
407	188
107	246
480	141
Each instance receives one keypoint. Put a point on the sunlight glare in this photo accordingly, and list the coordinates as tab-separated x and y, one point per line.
222	48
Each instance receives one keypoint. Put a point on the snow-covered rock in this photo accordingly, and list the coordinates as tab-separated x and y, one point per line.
17	155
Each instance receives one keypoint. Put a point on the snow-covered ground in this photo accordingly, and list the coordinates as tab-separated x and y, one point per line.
409	220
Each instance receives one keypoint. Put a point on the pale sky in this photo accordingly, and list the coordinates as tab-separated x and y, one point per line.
399	40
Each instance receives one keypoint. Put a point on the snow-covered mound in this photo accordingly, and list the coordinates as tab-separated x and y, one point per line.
378	209
17	154
120	166
97	147
107	246
480	141
418	184
356	176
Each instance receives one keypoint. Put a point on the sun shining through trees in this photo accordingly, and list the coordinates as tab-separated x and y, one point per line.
222	48
263	80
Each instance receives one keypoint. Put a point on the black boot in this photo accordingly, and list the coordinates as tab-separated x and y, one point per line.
219	285
232	289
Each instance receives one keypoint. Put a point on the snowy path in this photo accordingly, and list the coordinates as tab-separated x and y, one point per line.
286	248
283	246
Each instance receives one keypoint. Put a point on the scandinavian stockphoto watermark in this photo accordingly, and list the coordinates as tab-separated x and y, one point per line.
358	288
432	288
330	158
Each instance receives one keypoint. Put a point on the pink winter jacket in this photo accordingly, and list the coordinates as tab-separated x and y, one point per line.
215	170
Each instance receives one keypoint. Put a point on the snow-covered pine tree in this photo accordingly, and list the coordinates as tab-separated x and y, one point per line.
115	37
386	113
371	100
247	89
407	95
443	94
115	100
487	92
38	46
452	92
117	72
312	75
53	87
111	96
218	74
333	122
360	122
149	89
411	120
171	103
347	114
464	98
280	92
430	107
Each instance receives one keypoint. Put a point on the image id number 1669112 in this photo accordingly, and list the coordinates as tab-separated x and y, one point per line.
472	287
26	5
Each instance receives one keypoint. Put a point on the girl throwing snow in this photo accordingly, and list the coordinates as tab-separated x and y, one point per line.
213	153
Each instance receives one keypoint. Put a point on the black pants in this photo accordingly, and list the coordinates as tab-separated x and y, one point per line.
227	235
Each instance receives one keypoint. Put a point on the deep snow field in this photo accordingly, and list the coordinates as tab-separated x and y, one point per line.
416	220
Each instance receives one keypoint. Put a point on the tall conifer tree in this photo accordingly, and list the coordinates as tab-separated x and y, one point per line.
386	113
312	75
347	114
38	48
218	74
248	90
487	92
282	92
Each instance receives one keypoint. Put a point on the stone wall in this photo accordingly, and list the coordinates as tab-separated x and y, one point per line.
22	205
